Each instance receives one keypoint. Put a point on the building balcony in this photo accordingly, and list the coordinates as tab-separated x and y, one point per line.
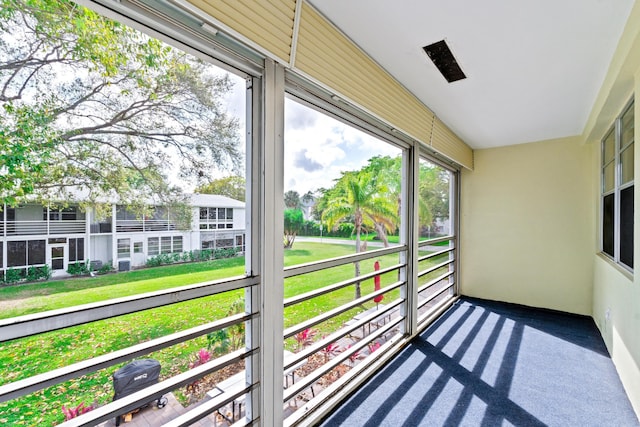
135	226
32	228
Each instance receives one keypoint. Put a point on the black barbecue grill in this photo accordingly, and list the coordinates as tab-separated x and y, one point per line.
136	376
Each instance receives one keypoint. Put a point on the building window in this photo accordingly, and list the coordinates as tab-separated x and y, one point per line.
66	214
17	253
153	245
137	247
165	245
177	244
36	252
76	250
617	189
124	248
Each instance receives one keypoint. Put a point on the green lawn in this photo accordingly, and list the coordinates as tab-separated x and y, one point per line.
26	357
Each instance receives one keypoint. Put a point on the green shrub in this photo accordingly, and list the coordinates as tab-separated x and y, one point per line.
78	268
44	272
12	275
38	273
154	261
106	268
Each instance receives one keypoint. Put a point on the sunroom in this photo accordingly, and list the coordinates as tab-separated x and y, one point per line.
521	119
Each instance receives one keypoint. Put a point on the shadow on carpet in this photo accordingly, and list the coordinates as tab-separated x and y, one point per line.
485	363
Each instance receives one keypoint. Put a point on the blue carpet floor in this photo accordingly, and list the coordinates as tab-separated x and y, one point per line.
493	364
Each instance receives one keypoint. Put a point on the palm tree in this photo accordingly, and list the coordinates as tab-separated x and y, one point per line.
355	197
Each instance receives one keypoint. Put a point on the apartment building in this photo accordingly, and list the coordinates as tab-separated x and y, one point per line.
36	235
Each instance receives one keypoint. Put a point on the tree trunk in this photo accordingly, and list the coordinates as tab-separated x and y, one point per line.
382	234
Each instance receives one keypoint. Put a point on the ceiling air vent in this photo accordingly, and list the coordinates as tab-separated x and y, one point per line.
443	59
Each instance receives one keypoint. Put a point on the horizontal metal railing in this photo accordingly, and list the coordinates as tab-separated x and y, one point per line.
31	324
33	228
311	378
310	267
431	242
435	267
385	311
37	382
336	286
145	225
436	254
135	400
289	332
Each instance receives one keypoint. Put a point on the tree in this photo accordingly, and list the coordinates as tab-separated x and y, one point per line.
386	172
293	222
292	200
231	186
356	197
433	190
92	105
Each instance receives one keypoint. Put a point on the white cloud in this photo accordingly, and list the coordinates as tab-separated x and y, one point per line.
319	148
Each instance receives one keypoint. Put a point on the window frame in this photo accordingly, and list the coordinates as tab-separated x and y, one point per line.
612	238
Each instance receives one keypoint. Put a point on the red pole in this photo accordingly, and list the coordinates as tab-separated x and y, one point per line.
376	284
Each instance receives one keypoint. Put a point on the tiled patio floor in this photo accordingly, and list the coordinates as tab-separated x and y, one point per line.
152	416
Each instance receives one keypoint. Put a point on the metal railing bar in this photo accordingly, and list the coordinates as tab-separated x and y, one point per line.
347	383
37	382
137	399
434	296
319	345
435	281
434	241
435	254
310	267
435	267
32	324
336	286
207	408
435	312
289	332
308	380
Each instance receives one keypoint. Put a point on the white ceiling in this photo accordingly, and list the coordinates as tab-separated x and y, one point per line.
534	67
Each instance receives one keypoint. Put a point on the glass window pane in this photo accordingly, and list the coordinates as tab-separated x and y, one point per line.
608	215
17	253
57	252
212	213
626	226
124	248
165	245
37	252
609	177
153	244
80	249
627	127
609	151
221	215
57	264
137	247
72	250
626	159
177	244
203	213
